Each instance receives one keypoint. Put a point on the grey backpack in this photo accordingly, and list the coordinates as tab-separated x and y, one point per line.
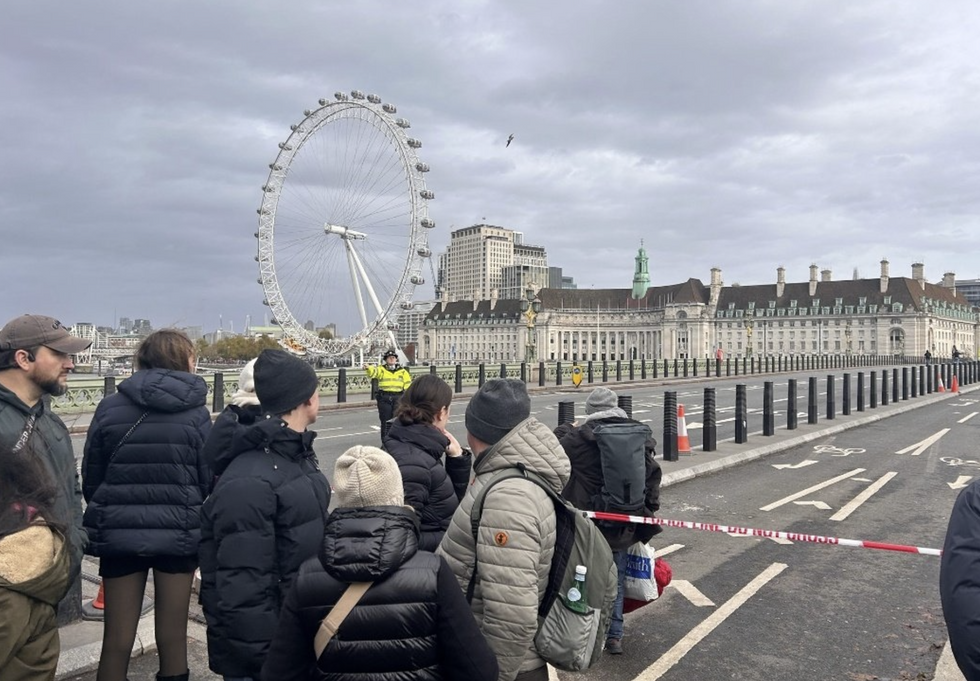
622	451
566	639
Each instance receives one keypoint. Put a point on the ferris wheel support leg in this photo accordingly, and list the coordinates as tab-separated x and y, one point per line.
351	264
367	282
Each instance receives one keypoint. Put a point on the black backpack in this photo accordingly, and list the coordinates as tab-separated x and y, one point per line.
622	451
565	639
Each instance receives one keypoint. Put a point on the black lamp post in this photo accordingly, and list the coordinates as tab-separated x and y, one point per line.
530	307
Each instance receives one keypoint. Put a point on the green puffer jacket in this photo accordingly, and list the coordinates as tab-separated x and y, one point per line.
33	579
516	543
53	443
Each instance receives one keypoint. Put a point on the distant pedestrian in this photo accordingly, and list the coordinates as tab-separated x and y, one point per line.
412	623
243	411
34	565
264	517
586	483
956	355
517	529
959	588
928	357
417	440
145	478
35	358
393	381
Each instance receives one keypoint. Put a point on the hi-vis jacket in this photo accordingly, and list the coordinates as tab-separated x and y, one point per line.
394	380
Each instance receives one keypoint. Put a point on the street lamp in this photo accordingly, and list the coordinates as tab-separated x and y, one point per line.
530	307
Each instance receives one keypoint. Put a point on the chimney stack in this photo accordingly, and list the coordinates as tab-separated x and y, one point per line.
825	275
884	276
949	281
716	284
813	280
780	281
918	274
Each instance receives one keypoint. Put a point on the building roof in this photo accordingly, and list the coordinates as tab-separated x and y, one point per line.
690	292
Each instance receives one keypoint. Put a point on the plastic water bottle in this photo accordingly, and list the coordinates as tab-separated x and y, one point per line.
575	598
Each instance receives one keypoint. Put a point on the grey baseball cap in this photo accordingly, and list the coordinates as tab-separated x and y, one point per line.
31	330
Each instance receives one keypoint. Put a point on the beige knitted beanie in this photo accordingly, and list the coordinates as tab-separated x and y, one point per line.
367	476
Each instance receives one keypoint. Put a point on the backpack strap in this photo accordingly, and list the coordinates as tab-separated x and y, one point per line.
564	526
331	623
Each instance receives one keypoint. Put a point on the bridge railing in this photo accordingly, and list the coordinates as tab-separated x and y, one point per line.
85	392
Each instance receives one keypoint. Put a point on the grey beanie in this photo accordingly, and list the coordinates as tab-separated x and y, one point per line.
496	408
282	381
601	399
367	476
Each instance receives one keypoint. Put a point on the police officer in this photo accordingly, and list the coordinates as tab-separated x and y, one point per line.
392	382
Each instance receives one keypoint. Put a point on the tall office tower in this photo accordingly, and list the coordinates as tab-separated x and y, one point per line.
474	259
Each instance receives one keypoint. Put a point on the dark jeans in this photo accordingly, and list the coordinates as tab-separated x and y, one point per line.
616	623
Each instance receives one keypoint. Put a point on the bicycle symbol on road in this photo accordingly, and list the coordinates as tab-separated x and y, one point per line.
837	451
955	461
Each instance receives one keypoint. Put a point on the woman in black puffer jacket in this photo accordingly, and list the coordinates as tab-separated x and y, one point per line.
417	440
144	478
412	624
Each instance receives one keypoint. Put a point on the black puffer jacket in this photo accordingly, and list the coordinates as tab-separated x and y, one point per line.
147	500
585	482
263	519
412	624
959	581
432	489
217	448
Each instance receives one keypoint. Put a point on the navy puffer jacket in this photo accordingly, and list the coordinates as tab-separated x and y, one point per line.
146	500
413	624
432	489
263	519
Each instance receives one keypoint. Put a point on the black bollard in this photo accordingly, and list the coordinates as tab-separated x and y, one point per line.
741	415
481	375
541	374
433	369
109	386
670	426
459	378
503	370
566	412
557	373
736	365
831	398
895	385
915	381
643	369
619	370
625	403
717	367
341	385
590	372
905	383
675	367
374	389
728	366
710	431
666	369
605	371
791	415
654	368
695	362
884	387
523	372
632	371
768	417
846	396
811	402
218	399
873	389
860	391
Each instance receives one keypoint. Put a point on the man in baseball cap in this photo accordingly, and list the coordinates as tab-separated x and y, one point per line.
35	358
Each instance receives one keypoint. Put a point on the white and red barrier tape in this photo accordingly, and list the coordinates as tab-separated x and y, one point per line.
762	534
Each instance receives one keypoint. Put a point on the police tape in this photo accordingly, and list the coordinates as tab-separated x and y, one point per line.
762	534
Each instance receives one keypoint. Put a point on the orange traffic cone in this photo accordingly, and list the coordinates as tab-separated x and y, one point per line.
683	441
942	388
954	385
99	601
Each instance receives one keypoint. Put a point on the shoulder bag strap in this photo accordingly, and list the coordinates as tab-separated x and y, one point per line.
331	623
128	433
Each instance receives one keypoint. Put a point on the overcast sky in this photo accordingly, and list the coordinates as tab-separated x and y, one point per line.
743	135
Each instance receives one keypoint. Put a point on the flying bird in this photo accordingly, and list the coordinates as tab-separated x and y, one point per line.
510	139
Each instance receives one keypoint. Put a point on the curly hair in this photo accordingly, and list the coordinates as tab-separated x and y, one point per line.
425	397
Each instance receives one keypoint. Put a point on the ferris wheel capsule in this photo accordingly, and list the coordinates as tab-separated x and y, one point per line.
427	223
414	143
422	167
374	99
389	108
356	94
426	194
339	96
403	123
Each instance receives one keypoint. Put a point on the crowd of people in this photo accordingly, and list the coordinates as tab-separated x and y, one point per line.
397	580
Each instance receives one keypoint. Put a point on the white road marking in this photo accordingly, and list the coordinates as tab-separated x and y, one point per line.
822	505
968	417
691	593
960	482
801	464
800	495
698	633
667	550
376	430
919	447
851	506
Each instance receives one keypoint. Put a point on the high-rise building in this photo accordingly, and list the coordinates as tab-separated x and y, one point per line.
969	289
483	259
